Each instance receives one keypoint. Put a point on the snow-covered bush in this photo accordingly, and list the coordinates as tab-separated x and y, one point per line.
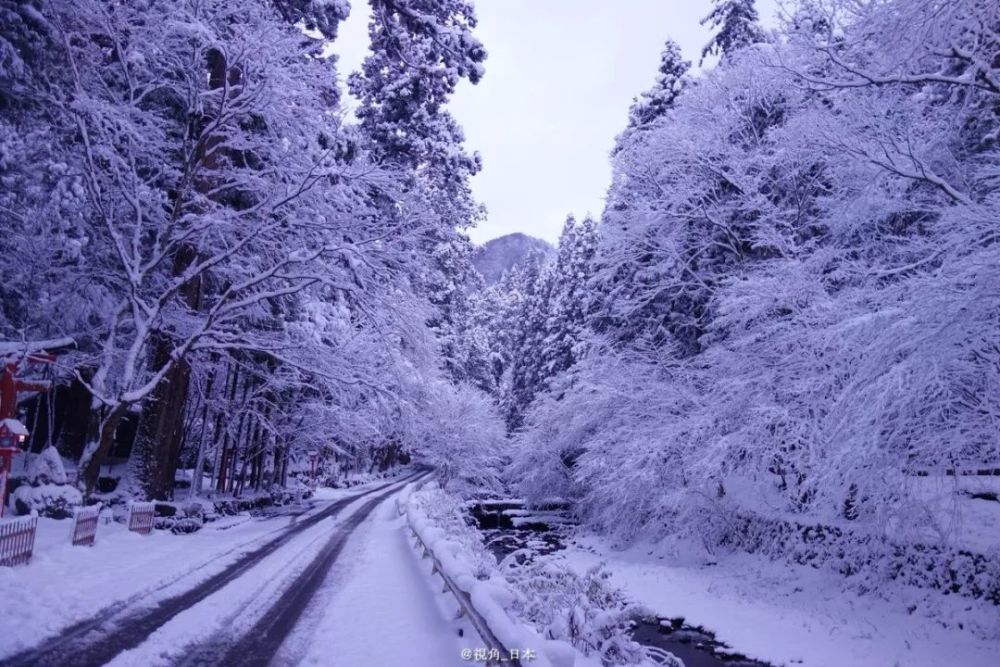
54	501
868	560
47	467
47	491
447	512
178	525
180	519
585	610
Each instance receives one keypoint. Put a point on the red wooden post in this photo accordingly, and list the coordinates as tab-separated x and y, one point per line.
12	434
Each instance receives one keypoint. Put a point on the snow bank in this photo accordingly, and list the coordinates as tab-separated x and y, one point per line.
790	614
468	570
438	522
64	584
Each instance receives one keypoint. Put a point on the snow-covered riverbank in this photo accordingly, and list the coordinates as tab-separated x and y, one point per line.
795	615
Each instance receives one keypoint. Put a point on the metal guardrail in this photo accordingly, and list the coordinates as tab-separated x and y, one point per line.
465	606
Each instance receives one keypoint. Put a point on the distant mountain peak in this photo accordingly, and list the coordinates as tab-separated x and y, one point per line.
501	254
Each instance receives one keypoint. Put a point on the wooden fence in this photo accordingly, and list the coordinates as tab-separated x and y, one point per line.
85	525
140	517
17	540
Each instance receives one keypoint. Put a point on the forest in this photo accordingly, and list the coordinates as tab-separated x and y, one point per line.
791	291
233	275
218	269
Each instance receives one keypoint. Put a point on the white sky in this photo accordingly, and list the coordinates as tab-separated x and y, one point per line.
559	80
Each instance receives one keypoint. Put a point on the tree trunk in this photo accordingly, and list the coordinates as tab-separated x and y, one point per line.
279	452
221	434
199	461
77	418
106	438
161	431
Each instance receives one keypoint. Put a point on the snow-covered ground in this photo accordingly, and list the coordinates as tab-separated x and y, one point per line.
64	584
794	615
956	516
379	606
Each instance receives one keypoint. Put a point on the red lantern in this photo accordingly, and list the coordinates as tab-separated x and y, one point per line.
12	434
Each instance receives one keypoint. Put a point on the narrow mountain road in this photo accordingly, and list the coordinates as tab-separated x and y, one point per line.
257	645
111	634
379	607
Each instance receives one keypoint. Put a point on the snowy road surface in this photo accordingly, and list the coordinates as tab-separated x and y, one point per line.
340	587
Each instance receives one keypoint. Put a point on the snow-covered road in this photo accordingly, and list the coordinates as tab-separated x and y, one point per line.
378	607
340	588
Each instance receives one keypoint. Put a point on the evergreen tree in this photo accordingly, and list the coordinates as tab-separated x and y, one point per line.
324	16
552	321
565	330
655	102
420	50
737	24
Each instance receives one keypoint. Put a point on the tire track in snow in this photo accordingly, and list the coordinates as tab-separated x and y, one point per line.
98	640
258	645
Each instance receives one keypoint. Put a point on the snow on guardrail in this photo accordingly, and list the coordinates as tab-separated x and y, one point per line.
489	598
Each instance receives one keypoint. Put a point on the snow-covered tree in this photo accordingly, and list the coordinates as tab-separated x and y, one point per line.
551	325
420	50
655	102
738	26
226	240
793	309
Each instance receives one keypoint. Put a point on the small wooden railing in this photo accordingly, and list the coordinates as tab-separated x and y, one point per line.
140	517
85	525
17	540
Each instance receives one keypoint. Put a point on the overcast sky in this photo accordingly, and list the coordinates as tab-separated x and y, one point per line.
559	80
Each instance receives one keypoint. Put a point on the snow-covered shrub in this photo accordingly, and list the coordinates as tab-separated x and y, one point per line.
54	501
178	525
585	610
276	496
867	559
179	519
282	496
47	467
